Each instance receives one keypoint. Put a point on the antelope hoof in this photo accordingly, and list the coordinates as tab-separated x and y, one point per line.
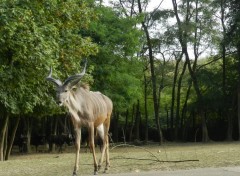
105	170
99	167
95	172
74	173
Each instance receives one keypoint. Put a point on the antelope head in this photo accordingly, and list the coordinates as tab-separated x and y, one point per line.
63	89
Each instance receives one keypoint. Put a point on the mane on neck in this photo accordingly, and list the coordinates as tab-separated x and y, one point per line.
84	86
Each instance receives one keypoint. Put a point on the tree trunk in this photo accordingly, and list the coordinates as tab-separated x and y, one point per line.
205	137
223	46
6	141
3	136
184	109
173	98
12	137
28	132
132	124
167	117
115	132
126	125
54	133
154	85
239	111
178	101
230	127
230	119
238	91
137	122
146	108
182	36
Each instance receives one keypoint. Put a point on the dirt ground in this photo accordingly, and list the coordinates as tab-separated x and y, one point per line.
128	159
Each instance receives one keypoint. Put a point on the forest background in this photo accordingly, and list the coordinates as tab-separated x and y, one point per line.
172	74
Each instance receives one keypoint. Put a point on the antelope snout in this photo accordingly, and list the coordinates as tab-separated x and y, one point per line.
60	103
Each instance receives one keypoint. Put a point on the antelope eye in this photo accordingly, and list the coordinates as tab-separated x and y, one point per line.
65	90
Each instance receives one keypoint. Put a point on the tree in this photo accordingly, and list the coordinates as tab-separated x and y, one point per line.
221	6
115	64
233	35
152	70
36	35
191	30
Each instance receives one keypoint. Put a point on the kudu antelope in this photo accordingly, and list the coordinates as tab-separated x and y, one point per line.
87	108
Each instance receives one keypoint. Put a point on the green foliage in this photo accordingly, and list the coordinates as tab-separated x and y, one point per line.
117	72
34	36
162	15
234	23
125	86
38	34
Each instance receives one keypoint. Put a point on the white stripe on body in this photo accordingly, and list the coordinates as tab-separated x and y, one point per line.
87	106
100	131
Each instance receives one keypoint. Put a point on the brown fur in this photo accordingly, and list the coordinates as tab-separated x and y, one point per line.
87	108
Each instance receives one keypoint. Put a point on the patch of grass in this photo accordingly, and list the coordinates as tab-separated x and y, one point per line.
170	156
